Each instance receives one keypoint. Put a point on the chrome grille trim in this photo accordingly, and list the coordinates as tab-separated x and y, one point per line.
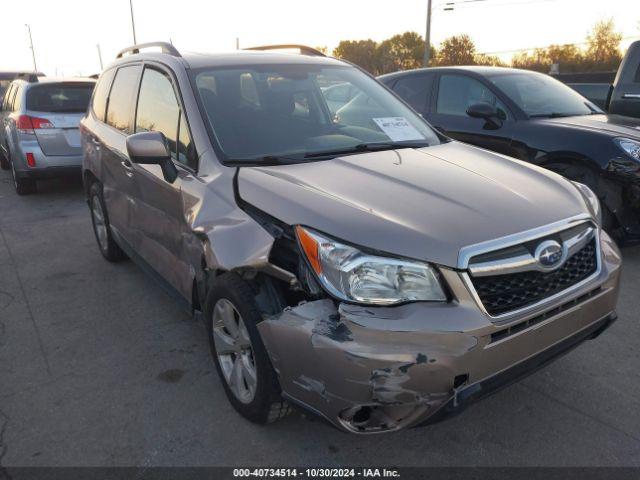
527	262
545	304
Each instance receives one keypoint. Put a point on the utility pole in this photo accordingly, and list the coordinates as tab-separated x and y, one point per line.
99	56
33	52
427	37
237	43
133	23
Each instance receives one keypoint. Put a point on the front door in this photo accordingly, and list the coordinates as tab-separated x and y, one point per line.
159	217
455	94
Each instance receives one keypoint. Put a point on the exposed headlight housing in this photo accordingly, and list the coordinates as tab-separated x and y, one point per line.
630	147
354	276
592	201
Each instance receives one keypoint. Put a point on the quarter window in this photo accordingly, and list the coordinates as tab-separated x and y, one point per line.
122	97
99	105
456	93
159	111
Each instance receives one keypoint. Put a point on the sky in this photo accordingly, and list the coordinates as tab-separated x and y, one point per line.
66	32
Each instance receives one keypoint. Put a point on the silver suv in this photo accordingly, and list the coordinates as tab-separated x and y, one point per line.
368	270
39	136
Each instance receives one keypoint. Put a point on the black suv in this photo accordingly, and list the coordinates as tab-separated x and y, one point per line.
533	117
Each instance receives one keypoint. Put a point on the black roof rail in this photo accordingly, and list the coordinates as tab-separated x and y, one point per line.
304	50
165	47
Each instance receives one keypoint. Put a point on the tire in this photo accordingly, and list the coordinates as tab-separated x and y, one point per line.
110	250
242	349
591	180
23	186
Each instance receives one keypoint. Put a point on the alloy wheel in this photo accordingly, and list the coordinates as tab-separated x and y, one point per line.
234	351
99	223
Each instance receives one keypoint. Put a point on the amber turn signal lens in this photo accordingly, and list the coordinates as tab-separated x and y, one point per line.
310	247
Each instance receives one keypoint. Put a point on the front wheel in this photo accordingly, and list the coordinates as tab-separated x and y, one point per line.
249	380
591	180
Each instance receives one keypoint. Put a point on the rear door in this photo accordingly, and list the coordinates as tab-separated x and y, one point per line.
415	89
456	92
158	217
119	187
58	109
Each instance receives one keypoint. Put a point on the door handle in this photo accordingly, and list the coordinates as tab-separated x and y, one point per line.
631	95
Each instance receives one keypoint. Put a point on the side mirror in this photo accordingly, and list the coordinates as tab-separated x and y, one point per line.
151	148
487	112
482	110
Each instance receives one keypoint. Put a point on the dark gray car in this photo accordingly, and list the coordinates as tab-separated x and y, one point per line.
39	134
371	271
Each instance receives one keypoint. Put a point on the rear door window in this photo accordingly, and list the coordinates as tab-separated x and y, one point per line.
415	89
159	111
101	94
122	98
63	97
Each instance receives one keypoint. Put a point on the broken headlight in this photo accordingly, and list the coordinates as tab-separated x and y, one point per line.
631	147
355	276
592	201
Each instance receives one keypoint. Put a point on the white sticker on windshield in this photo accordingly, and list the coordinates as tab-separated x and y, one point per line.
398	129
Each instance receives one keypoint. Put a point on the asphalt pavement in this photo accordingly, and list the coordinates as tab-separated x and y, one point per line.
100	367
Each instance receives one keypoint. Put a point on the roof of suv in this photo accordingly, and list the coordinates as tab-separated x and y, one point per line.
42	80
233	59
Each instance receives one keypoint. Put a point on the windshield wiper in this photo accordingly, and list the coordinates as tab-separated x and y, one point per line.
366	147
553	115
265	160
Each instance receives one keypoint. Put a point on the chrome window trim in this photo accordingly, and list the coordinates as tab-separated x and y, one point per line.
547	303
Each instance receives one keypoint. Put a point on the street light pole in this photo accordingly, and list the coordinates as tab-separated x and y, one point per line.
133	23
427	37
99	56
33	52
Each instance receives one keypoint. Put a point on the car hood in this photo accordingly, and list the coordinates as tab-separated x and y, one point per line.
616	125
425	204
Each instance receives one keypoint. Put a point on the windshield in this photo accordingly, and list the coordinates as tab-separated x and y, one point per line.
298	111
69	98
539	95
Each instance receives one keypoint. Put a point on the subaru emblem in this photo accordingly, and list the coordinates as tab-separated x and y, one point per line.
549	254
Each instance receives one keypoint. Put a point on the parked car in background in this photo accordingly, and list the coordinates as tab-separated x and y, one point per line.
39	137
623	96
338	95
372	271
533	117
7	77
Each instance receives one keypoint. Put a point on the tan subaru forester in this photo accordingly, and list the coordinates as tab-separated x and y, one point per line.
371	270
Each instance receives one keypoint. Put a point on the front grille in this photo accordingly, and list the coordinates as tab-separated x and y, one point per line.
503	293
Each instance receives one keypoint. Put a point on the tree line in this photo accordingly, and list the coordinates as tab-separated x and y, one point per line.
600	52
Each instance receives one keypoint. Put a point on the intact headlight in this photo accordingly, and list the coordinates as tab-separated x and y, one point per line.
631	147
354	276
592	201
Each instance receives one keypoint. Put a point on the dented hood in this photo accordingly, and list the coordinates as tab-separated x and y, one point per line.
425	204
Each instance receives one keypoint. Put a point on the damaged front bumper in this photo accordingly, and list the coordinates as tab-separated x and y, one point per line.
380	369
